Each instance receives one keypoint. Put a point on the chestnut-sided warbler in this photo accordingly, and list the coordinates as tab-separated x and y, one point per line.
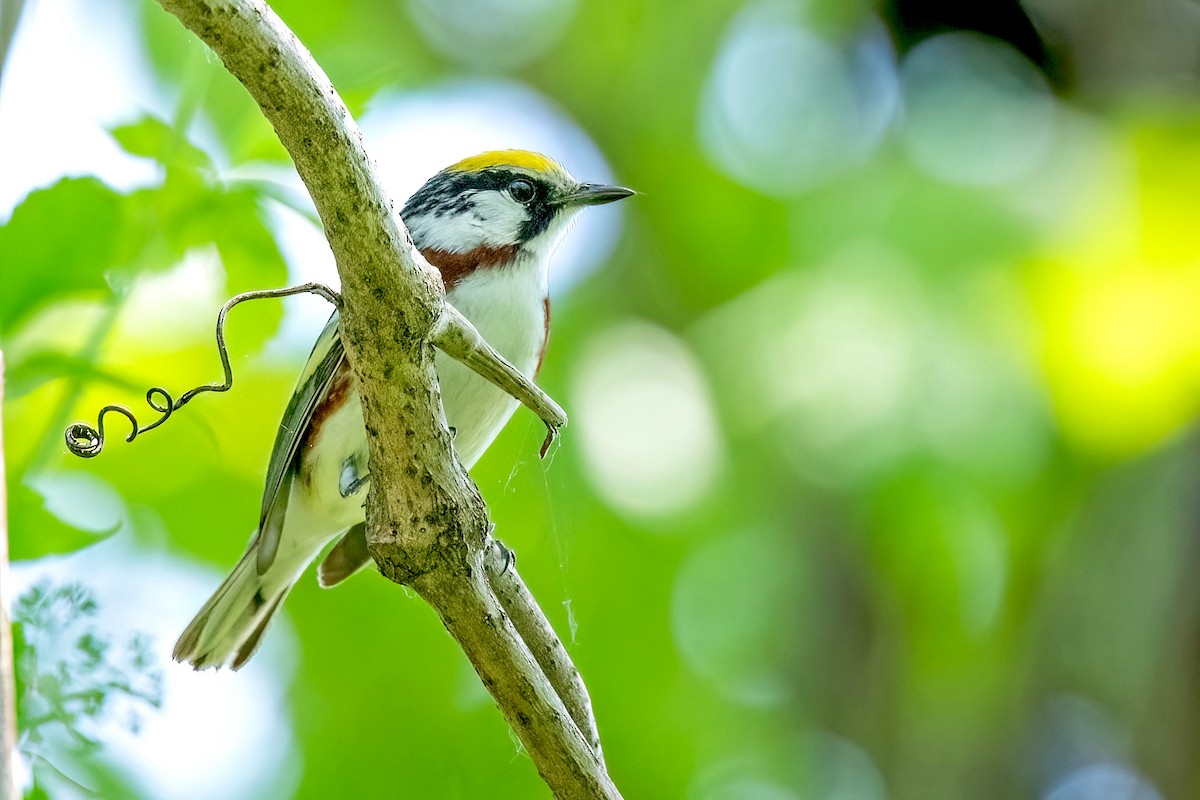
489	223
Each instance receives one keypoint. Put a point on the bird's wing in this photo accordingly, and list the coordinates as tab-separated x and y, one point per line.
323	363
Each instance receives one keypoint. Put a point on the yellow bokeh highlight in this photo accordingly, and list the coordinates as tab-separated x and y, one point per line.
1118	305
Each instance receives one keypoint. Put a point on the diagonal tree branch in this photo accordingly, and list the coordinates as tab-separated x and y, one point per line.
542	641
427	524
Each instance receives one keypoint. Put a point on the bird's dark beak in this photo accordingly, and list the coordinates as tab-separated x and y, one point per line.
594	194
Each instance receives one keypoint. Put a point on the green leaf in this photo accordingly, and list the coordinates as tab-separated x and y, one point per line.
252	258
36	532
150	137
59	242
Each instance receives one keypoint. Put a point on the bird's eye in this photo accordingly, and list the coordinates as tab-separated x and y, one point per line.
521	191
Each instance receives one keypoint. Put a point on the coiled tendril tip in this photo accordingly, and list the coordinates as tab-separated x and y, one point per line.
86	441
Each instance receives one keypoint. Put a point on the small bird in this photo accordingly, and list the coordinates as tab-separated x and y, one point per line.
489	224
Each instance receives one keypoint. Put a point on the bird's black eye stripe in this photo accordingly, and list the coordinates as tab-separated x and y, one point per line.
521	190
451	192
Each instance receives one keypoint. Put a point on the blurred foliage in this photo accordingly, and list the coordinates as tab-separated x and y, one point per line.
69	680
896	495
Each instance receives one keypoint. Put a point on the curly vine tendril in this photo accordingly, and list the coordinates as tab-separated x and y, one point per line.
86	441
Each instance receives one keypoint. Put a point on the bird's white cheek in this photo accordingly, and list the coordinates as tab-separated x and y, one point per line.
491	220
455	233
499	217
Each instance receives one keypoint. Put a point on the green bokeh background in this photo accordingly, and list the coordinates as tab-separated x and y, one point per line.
939	539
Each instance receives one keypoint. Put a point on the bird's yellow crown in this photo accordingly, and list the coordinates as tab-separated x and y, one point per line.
522	159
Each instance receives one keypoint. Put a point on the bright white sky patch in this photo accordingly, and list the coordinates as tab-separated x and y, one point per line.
75	70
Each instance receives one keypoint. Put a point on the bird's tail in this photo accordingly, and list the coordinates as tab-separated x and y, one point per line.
230	626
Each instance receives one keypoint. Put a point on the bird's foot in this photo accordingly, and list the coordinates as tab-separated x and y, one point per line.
507	555
351	481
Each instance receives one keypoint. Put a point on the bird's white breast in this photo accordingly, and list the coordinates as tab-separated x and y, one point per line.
507	306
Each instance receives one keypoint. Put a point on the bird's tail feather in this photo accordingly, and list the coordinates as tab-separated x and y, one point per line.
229	628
